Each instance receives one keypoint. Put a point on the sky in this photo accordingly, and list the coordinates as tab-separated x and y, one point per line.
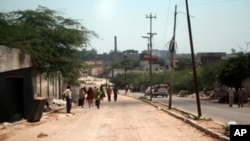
217	25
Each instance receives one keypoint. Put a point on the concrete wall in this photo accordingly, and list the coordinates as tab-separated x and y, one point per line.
50	87
13	59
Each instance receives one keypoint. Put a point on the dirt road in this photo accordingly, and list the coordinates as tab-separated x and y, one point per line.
128	119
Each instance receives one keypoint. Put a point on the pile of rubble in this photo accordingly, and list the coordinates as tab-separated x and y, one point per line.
203	95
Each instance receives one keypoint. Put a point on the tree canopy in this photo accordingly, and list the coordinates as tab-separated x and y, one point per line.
51	39
235	70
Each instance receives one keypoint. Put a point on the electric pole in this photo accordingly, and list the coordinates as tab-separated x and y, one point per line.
150	52
193	61
172	52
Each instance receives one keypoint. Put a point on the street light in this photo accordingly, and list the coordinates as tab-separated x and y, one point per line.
148	40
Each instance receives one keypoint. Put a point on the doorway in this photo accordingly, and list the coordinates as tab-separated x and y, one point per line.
15	98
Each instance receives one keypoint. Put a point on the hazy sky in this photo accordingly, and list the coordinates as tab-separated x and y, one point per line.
217	25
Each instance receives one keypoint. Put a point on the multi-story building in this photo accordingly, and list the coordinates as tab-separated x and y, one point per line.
209	58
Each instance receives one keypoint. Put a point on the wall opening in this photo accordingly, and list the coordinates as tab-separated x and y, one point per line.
15	93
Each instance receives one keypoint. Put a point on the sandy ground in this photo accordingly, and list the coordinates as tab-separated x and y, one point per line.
128	119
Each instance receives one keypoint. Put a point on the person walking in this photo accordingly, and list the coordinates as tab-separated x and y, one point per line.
98	97
102	92
90	96
115	91
231	91
241	95
67	93
82	93
126	89
109	91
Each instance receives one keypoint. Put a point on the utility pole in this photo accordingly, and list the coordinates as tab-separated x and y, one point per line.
150	52
172	52
193	61
125	69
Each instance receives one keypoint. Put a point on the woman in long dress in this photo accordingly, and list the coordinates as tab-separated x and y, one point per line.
90	96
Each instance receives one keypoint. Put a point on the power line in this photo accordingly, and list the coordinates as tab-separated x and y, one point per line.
210	2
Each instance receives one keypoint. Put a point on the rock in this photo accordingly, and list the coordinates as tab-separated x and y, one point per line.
42	135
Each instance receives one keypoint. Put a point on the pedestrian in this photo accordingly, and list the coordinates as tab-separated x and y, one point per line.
68	94
90	96
109	91
241	95
126	89
102	92
231	91
82	93
98	97
115	91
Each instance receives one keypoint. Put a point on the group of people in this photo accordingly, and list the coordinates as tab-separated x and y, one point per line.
240	93
90	94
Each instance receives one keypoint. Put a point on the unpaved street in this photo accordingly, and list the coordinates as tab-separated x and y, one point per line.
128	119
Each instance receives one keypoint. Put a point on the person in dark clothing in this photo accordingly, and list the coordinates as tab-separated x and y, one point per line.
82	93
241	95
102	92
90	96
109	91
115	91
97	97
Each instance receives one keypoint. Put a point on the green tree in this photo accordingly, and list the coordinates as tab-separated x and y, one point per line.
235	70
52	40
208	76
183	80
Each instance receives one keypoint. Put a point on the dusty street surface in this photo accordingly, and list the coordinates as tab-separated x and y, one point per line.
128	119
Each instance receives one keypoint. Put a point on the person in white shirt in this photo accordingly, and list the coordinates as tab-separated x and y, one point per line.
67	94
231	91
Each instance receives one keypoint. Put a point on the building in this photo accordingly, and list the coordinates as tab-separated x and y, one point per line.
209	58
21	86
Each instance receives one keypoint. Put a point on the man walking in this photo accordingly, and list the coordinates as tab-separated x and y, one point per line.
241	95
68	94
109	91
115	90
231	91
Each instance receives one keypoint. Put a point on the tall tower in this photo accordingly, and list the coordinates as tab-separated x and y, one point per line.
115	45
